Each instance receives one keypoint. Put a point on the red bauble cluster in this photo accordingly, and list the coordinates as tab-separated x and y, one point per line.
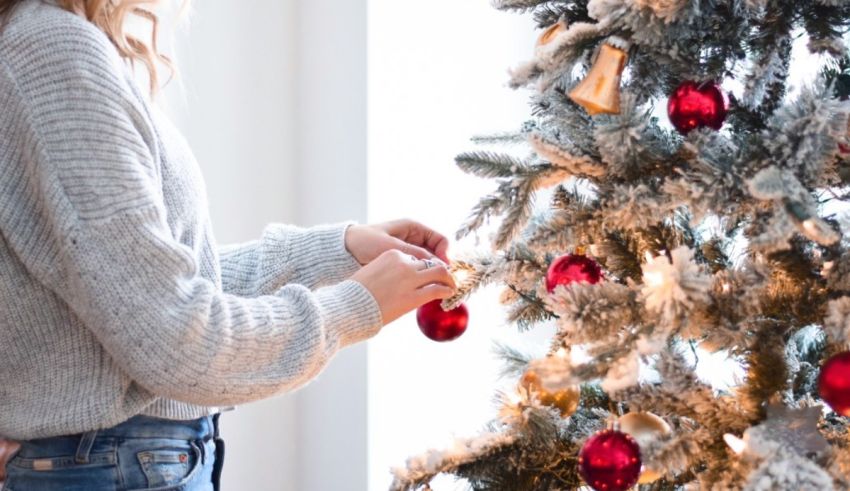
570	269
834	383
441	325
610	461
695	105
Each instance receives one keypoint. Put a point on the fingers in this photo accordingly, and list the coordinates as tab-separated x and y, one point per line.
398	228
433	292
7	449
431	271
441	248
422	264
401	282
416	234
436	243
414	250
437	274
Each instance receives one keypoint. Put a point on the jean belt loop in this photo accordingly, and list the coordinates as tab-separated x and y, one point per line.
202	446
85	446
218	464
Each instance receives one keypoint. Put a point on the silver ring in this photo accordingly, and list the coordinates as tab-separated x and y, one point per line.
428	263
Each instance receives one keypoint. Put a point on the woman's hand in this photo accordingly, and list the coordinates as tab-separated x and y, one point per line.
367	242
401	283
7	450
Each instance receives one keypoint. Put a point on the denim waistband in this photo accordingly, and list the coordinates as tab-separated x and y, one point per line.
151	427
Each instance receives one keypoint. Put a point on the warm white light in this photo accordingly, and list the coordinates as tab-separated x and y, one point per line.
810	226
460	275
514	398
736	444
562	353
578	355
653	278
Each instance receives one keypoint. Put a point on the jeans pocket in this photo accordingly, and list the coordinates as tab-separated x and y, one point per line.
169	468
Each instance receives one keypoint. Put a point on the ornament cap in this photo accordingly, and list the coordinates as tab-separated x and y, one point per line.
618	42
640	424
645	427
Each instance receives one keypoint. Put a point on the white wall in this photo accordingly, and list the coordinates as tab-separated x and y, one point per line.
332	183
274	107
237	111
437	73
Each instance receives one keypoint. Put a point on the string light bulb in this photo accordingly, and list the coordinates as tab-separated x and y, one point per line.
738	445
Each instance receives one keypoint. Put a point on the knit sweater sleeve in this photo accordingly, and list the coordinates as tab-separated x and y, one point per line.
312	257
92	227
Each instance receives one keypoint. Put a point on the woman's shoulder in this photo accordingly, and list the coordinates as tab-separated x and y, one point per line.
42	41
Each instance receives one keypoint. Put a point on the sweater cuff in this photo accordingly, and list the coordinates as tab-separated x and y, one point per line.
350	312
320	256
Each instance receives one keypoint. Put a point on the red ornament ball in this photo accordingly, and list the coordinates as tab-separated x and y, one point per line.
571	268
834	383
610	461
695	106
441	325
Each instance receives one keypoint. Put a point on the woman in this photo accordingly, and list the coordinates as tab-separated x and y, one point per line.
124	328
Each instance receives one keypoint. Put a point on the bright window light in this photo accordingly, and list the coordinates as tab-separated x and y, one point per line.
437	74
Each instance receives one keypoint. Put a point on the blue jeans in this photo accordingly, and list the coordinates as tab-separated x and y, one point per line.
143	453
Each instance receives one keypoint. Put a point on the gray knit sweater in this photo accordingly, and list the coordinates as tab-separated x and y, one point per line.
114	298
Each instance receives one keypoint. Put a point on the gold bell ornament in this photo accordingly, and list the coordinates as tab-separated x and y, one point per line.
644	427
551	33
564	400
599	92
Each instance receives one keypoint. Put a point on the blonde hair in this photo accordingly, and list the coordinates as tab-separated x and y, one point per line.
111	16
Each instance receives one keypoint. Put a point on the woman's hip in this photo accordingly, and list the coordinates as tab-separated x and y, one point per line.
143	453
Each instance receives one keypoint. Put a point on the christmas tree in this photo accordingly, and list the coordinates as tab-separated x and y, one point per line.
657	239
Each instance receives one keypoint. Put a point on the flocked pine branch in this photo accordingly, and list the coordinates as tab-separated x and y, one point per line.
421	469
514	197
488	165
569	11
515	362
504	138
471	274
519	5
